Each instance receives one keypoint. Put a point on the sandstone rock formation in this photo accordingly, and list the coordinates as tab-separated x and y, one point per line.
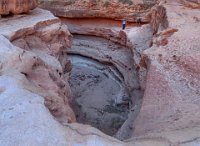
41	63
170	103
112	9
35	95
32	75
171	100
16	6
34	86
133	11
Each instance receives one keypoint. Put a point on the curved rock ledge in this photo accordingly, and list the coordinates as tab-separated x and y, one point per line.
136	38
106	28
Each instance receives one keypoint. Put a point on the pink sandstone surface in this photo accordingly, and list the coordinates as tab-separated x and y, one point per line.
16	6
35	94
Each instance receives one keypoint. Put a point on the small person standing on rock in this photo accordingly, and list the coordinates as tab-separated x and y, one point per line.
124	24
138	20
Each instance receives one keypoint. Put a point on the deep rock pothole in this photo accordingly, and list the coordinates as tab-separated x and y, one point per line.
102	96
95	91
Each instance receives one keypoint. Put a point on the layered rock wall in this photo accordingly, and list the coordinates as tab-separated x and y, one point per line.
16	6
171	99
41	60
101	9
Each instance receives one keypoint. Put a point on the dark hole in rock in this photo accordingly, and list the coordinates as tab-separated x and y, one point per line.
101	98
95	98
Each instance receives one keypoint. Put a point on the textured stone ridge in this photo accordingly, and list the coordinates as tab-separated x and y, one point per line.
16	6
112	9
41	63
171	100
138	12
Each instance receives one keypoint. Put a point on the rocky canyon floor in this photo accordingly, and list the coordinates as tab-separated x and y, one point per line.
78	79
